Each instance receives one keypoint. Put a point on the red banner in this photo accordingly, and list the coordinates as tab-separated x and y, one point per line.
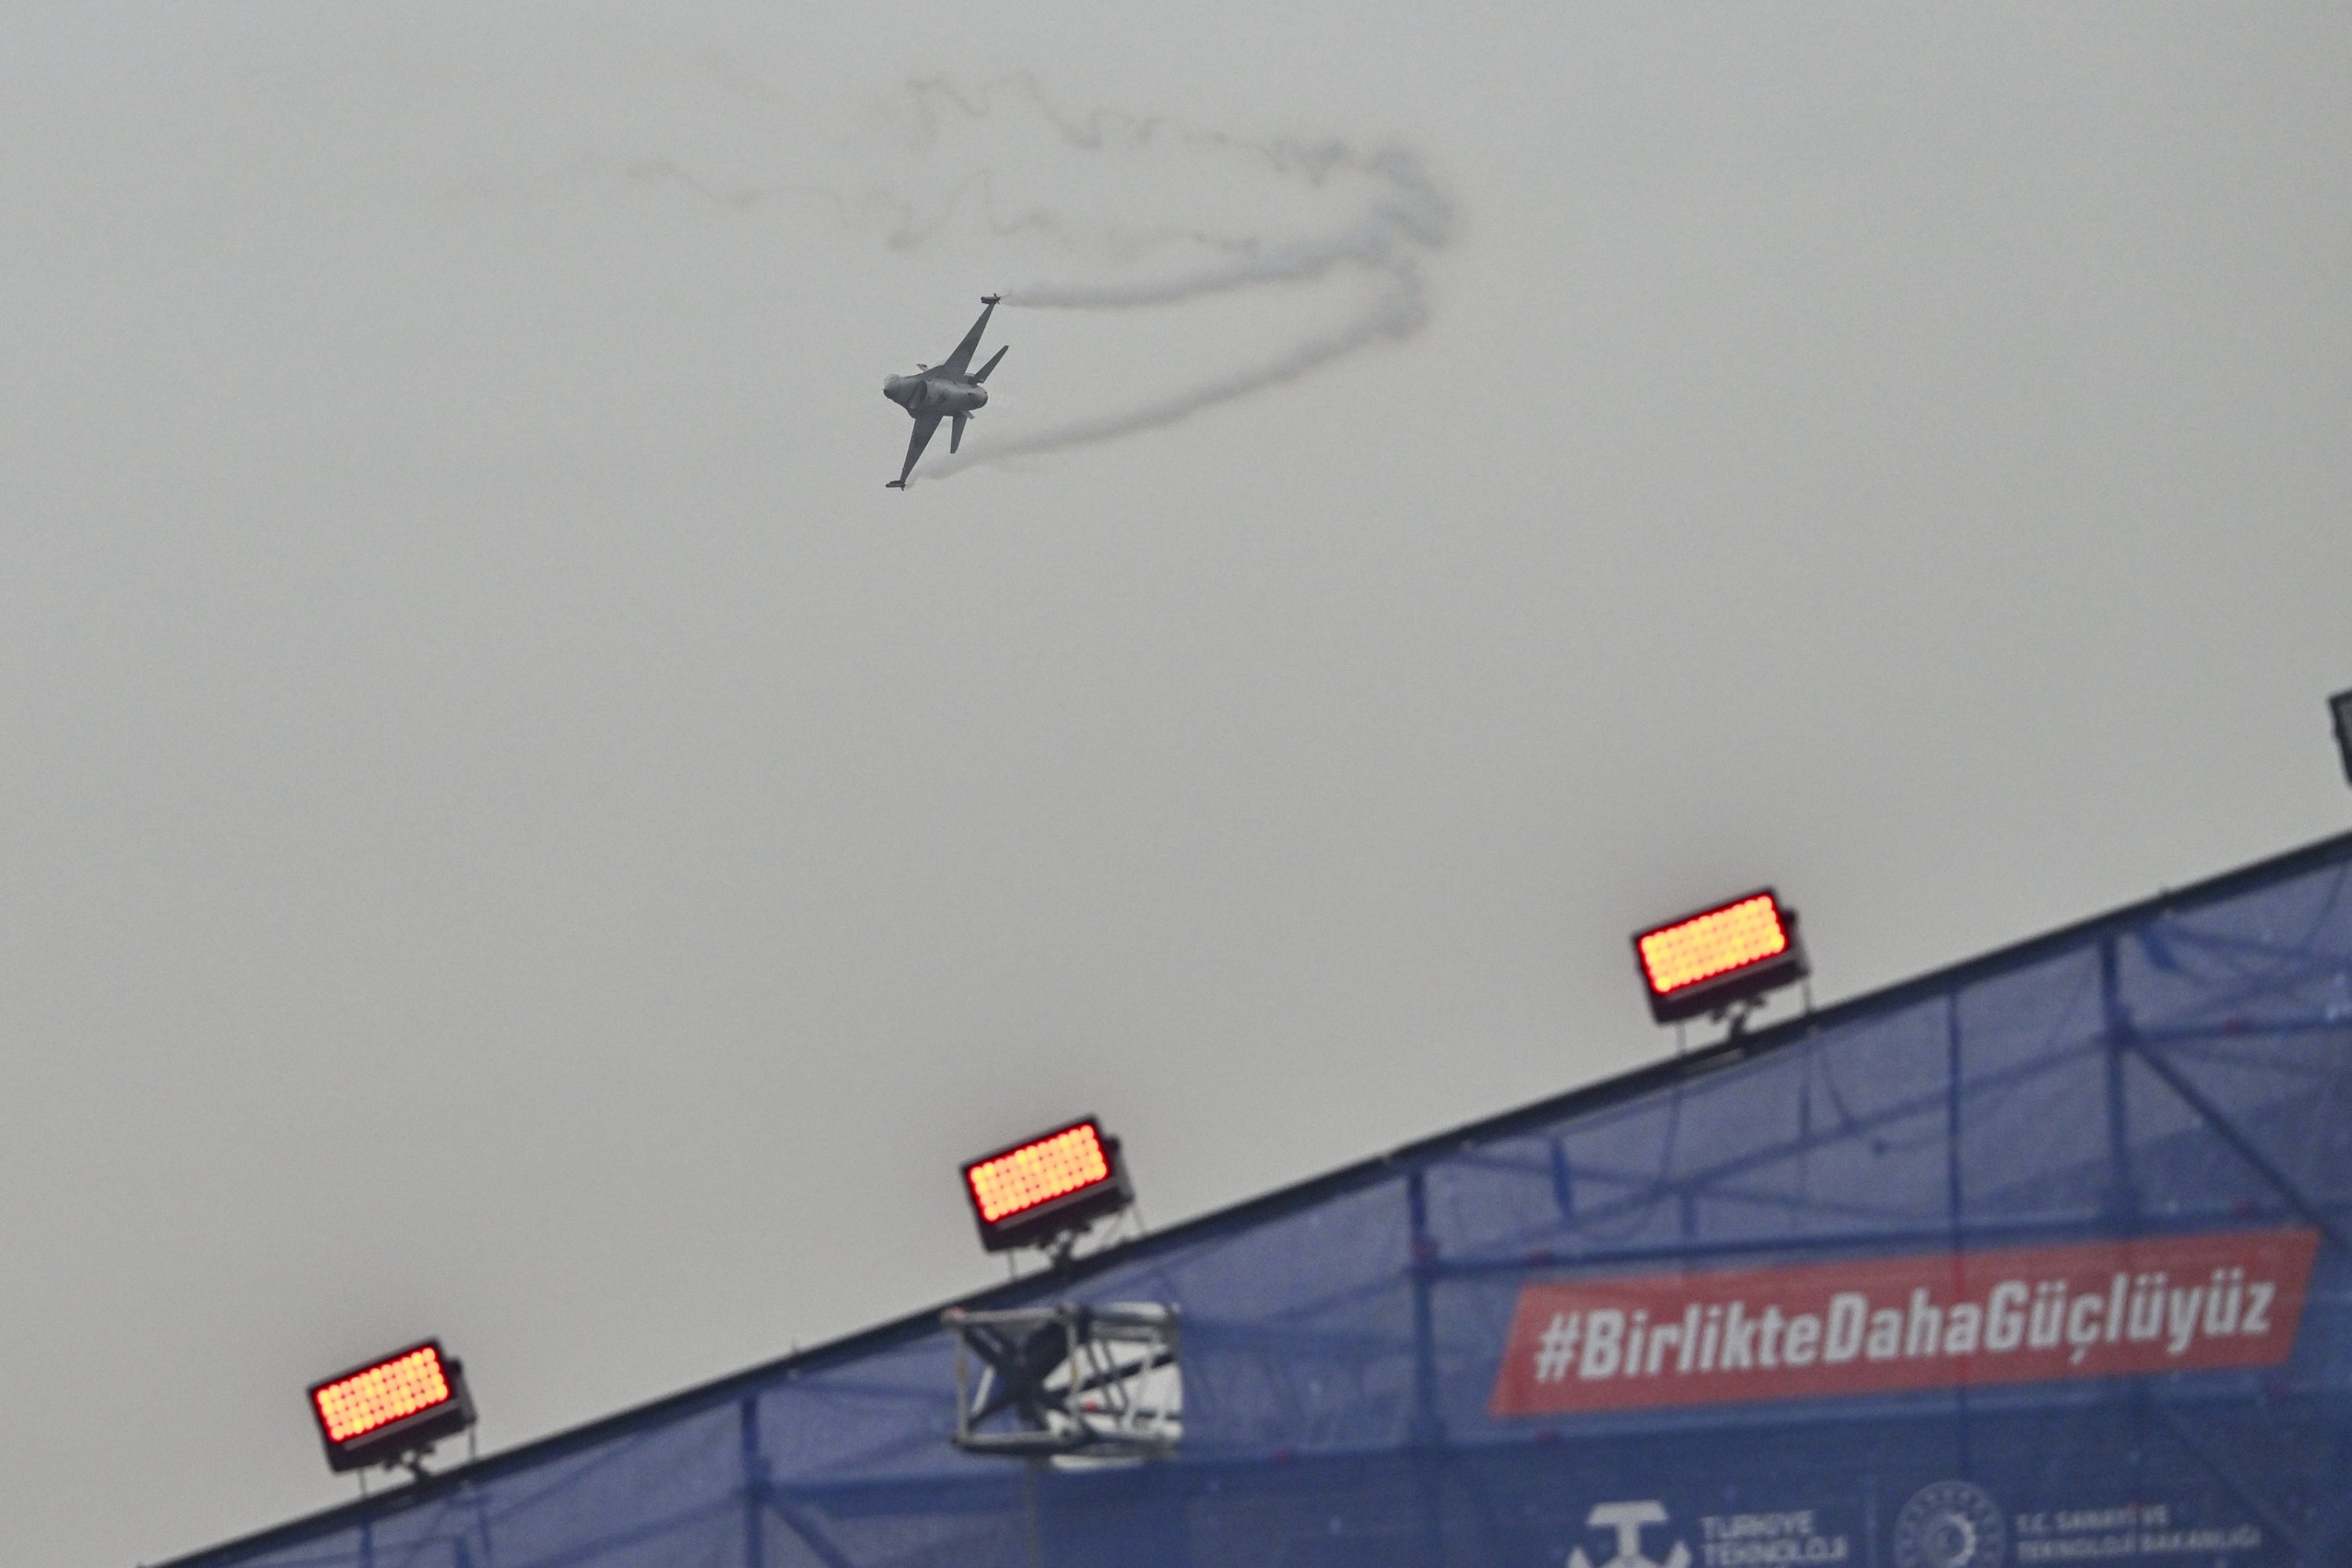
2101	1309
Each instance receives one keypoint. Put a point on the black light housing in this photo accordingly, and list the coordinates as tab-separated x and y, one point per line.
1045	1187
390	1408
1719	955
2341	706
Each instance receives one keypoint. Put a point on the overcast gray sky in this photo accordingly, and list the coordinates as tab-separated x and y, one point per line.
509	831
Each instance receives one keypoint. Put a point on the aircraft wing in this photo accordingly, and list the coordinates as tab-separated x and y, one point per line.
924	424
960	361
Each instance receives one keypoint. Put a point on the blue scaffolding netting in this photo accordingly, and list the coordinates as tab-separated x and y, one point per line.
2039	1260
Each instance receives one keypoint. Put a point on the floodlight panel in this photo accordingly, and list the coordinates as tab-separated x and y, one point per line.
1712	943
373	1397
2341	706
1038	1172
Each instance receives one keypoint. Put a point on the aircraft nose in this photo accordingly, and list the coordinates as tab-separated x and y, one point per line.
981	396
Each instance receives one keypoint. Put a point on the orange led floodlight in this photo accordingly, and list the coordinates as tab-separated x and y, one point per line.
1721	955
392	1407
1045	1186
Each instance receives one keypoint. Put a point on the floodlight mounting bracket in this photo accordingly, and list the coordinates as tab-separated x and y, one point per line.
1060	1247
1738	1012
1081	1383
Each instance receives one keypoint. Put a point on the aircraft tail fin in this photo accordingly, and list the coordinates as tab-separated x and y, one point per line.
992	362
955	435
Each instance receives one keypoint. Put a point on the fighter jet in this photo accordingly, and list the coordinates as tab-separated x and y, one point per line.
943	391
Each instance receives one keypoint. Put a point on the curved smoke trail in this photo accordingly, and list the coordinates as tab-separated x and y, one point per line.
1409	219
1377	217
1399	312
1412	217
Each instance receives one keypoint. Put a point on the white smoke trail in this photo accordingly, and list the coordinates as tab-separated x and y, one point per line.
1397	313
1411	219
1003	166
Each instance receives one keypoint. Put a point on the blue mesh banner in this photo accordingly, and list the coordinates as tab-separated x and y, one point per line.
2041	1260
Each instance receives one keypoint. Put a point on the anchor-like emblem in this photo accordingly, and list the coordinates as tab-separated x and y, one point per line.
1627	1519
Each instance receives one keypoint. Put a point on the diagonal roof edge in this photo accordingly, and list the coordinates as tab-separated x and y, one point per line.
2336	849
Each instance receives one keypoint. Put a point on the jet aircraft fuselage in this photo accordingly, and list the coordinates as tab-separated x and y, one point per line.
935	392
